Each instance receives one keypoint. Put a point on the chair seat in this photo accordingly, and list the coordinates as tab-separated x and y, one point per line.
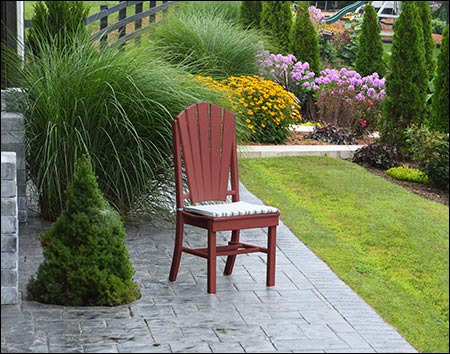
230	209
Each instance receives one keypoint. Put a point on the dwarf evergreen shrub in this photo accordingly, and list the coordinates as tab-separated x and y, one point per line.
439	104
407	81
276	21
369	57
304	41
250	13
86	262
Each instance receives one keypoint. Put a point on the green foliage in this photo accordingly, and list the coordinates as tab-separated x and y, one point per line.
56	23
333	135
276	21
431	151
250	13
303	39
405	173
369	56
116	107
389	245
407	81
438	26
86	262
210	44
439	119
378	155
429	45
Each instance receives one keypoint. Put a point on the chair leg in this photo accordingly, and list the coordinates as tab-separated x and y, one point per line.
231	259
178	249
271	255
212	254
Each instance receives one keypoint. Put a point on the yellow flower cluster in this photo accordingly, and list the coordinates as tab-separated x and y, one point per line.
265	106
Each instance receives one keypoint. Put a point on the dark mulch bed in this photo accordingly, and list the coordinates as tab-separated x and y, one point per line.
424	190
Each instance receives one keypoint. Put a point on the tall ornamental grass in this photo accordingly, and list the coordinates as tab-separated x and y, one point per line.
210	44
113	106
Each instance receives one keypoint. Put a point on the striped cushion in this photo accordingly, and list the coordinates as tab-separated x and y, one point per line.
230	209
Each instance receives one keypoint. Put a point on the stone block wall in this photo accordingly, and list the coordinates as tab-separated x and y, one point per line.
9	229
13	138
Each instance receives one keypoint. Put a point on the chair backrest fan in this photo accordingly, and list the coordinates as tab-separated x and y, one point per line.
206	146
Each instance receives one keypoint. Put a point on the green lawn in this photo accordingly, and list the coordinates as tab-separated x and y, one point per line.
390	245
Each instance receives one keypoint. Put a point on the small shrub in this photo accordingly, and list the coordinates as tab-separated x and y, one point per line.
405	173
378	155
430	149
333	135
438	26
86	262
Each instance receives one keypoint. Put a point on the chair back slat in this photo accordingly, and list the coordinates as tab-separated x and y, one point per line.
207	138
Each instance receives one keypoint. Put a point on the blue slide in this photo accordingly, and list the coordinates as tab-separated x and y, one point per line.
338	15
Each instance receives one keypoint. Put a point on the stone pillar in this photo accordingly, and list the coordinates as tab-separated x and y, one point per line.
9	230
13	138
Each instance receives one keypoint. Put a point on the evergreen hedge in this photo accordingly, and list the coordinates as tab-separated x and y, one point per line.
407	81
276	21
439	104
86	262
304	41
369	56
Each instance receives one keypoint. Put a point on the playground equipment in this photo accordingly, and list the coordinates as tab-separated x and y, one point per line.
385	9
349	8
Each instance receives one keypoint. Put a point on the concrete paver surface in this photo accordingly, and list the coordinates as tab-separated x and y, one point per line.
309	310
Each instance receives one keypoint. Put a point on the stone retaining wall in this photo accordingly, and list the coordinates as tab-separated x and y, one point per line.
9	229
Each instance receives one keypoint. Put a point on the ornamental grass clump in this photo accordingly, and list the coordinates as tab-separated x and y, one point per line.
115	106
266	107
208	43
86	262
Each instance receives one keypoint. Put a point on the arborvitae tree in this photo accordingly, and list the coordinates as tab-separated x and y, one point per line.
407	80
55	23
304	41
369	57
86	262
425	16
250	13
439	104
276	21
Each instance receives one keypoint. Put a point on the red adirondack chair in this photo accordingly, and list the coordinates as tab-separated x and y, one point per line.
204	143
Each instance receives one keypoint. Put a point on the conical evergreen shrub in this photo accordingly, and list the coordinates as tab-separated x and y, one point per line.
439	104
369	57
428	42
250	13
407	81
303	38
85	262
276	21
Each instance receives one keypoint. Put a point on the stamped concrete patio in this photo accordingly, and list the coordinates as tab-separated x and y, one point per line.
310	310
